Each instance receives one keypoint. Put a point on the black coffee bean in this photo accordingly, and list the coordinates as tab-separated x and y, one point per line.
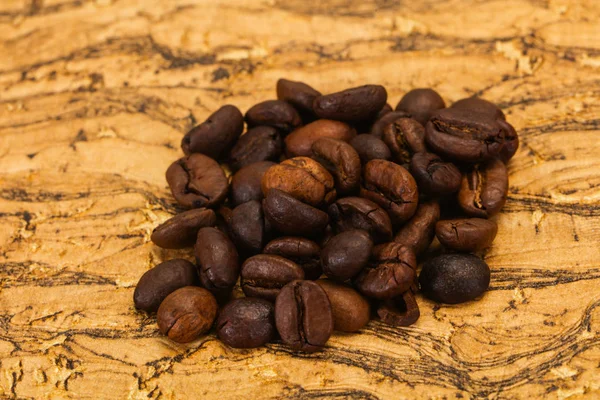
434	176
246	323
356	104
180	231
302	251
480	105
262	143
346	254
245	184
400	311
247	228
276	113
299	143
292	217
358	213
351	311
404	137
468	234
341	160
421	104
484	189
299	94
511	141
419	231
264	275
217	260
370	148
382	123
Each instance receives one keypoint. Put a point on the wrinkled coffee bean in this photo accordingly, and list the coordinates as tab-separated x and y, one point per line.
197	181
299	143
157	283
302	251
264	275
346	254
180	231
303	316
217	260
434	176
358	213
247	227
481	106
382	123
246	323
217	135
404	137
356	104
370	148
419	231
421	104
454	278
511	141
292	217
262	143
469	234
400	311
246	183
341	160
351	311
484	189
276	113
186	313
298	94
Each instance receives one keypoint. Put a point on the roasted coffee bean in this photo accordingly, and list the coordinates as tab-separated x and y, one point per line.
293	217
197	181
484	189
480	105
454	278
157	283
404	137
400	311
180	231
262	143
346	254
276	113
379	126
264	275
341	160
246	323
434	176
356	104
247	228
217	135
246	183
302	251
186	313
419	231
365	126
392	187
299	143
217	260
464	135
469	234
370	148
303	316
351	311
298	94
421	104
303	178
358	213
511	141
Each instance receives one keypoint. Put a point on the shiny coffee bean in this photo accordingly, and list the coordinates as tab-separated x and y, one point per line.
356	104
264	275
217	260
298	94
357	213
245	184
346	254
419	231
246	323
180	231
351	311
484	189
511	141
341	160
293	217
370	148
404	137
421	104
276	113
247	228
434	176
400	311
480	105
262	143
382	123
468	234
302	251
299	143
303	316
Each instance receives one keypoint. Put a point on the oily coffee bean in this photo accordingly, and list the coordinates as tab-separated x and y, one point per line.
246	323
299	143
379	126
180	231
262	143
511	141
370	148
464	135
264	275
404	137
351	311
454	278
346	254
303	178
468	234
217	260
302	251
358	213
421	104
341	160
484	189
186	313
157	283
480	105
217	135
197	181
392	187
298	94
303	316
419	231
247	227
400	311
293	217
356	104
245	184
434	176
276	113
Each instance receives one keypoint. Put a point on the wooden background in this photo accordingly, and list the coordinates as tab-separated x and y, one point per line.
96	95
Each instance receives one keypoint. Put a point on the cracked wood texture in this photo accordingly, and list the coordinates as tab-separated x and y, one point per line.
96	95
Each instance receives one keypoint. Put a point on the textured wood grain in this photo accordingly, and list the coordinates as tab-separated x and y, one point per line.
94	99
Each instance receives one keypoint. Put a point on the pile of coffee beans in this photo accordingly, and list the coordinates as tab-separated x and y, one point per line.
338	186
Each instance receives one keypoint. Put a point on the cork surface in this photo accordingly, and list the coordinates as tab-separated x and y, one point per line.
95	97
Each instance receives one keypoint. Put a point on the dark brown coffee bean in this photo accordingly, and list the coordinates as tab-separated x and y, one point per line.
400	311
197	181
217	135
298	94
404	137
246	323
480	105
299	142
302	251
293	217
276	113
186	313
379	126
356	104
484	189
358	213
180	231
469	234
421	104
247	228
434	176
511	141
157	283
464	135
454	278
303	178
392	187
264	275
351	311
245	184
217	260
341	160
346	254
303	316
262	143
224	219
370	148
419	231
